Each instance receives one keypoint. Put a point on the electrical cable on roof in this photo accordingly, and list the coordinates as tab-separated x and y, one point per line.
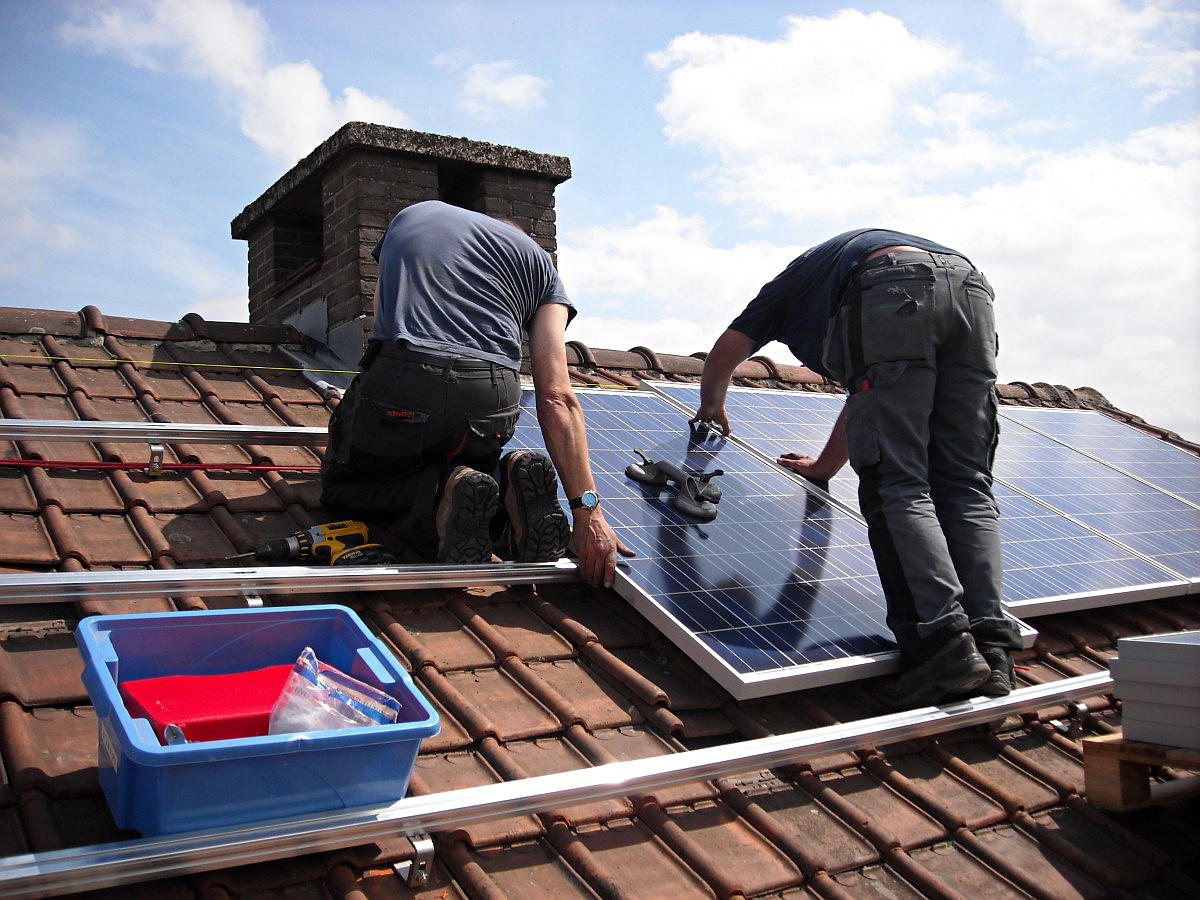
106	465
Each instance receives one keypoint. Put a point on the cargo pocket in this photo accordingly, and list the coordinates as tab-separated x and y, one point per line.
862	430
994	406
835	355
897	311
488	433
386	429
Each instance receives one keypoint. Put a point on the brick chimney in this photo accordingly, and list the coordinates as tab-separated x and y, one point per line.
310	235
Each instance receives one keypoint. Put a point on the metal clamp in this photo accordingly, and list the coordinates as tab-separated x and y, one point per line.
415	871
697	496
1073	727
155	468
253	599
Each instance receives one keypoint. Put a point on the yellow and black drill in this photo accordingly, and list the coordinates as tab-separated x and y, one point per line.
346	543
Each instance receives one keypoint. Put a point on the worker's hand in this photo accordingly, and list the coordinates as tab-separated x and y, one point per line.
714	417
812	469
596	547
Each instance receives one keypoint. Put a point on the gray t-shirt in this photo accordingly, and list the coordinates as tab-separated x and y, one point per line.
461	283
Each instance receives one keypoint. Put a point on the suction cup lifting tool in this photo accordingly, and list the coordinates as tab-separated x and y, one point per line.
696	495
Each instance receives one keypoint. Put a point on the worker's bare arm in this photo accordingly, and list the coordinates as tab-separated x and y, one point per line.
833	456
561	419
731	349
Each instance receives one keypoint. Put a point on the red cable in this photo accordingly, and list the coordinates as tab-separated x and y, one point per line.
107	465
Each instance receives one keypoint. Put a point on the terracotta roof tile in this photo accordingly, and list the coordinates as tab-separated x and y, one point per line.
41	670
439	772
529	681
50	750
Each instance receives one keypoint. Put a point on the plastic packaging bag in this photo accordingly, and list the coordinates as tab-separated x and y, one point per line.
317	697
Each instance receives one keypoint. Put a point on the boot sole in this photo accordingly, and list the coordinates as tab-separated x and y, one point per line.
467	539
545	532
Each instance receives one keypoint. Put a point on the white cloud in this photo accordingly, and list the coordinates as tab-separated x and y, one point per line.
1153	40
496	87
840	115
286	109
37	160
664	267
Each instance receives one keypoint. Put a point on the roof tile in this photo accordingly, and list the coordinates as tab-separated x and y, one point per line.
723	848
434	773
41	670
493	690
1039	869
53	823
639	742
524	759
527	869
50	750
591	700
631	861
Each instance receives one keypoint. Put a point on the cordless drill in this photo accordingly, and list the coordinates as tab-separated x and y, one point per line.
331	543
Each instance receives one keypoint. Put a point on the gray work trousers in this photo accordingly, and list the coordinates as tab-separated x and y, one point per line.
916	338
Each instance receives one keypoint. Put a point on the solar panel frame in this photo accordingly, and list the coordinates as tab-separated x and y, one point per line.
1125	575
774	639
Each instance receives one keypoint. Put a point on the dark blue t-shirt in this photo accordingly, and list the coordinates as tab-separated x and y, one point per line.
461	283
796	305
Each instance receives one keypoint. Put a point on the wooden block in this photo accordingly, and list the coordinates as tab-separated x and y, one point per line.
1117	772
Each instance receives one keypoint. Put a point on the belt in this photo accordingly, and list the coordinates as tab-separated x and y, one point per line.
404	351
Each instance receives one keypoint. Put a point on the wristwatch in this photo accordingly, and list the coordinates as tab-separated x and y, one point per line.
586	500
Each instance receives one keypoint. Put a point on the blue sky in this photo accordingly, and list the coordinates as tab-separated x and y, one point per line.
1055	142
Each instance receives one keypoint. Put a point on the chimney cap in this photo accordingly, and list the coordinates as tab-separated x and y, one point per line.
556	169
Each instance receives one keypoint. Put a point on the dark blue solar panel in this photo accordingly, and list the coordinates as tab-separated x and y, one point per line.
1152	523
780	579
778	422
1045	554
1118	444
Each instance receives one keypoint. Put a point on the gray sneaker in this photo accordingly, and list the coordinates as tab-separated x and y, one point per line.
538	527
956	669
1000	681
469	500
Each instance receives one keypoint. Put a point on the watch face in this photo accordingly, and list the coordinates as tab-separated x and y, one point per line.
587	500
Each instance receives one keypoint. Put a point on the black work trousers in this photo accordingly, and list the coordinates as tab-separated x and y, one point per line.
915	339
406	421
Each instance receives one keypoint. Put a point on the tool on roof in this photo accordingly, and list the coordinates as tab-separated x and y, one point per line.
697	496
345	543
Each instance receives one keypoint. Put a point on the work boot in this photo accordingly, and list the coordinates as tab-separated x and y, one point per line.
469	500
1000	680
956	669
538	528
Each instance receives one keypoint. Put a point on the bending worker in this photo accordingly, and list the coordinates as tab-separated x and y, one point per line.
415	443
907	326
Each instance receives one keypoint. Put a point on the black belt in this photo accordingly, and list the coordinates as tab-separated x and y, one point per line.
404	351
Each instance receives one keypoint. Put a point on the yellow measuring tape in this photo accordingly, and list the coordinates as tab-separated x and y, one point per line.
150	363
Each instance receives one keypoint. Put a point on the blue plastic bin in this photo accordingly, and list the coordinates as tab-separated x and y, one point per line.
158	789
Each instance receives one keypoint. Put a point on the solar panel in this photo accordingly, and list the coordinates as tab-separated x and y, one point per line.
778	592
1163	465
1144	519
777	422
1051	563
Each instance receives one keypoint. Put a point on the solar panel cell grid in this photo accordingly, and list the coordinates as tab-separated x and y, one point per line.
780	579
1046	555
1118	444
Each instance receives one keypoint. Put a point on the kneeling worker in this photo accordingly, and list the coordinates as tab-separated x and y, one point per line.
907	326
416	441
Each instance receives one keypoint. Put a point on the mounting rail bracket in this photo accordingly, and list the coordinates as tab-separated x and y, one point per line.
415	871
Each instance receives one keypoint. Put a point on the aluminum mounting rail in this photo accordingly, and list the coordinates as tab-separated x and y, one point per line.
158	432
126	862
64	587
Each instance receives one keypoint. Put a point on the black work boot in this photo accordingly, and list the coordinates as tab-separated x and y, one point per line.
529	489
469	500
955	669
1000	680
